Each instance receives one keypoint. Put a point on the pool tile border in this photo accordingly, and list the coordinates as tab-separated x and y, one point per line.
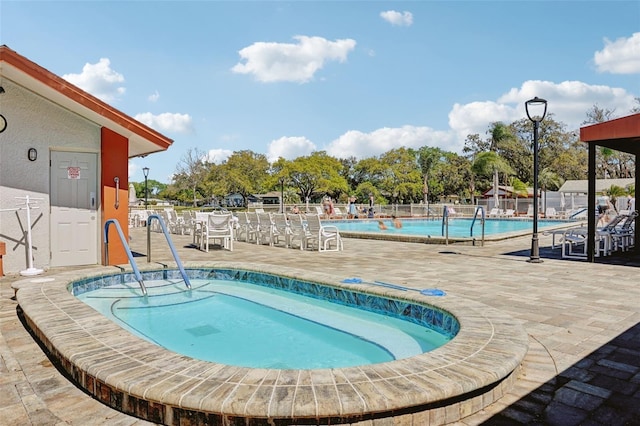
473	370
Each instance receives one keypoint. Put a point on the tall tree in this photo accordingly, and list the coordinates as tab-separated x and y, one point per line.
245	173
401	181
317	174
191	171
427	158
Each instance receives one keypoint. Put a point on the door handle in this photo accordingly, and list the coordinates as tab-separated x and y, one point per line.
117	181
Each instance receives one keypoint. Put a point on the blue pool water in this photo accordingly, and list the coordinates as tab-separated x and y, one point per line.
246	324
458	227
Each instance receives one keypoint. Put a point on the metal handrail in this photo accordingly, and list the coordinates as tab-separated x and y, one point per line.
445	224
473	221
134	266
173	249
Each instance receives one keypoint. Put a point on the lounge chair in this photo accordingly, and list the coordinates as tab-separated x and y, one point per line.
576	238
495	212
324	236
551	213
509	213
530	211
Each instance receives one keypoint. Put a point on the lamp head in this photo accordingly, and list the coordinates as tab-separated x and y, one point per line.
145	170
539	109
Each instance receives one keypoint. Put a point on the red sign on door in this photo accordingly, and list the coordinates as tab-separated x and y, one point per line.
73	172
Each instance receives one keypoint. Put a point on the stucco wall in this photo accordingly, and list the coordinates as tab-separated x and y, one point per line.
33	122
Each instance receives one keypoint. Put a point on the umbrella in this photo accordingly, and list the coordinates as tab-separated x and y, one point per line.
496	197
132	195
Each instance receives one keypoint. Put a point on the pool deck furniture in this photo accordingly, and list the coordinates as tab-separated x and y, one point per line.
584	338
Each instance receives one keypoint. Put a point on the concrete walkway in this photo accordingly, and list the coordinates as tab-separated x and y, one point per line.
583	365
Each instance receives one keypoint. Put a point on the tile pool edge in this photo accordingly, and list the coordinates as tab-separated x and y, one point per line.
141	379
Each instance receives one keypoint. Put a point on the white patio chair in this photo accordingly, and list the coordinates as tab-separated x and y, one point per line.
219	228
324	236
297	230
267	232
281	224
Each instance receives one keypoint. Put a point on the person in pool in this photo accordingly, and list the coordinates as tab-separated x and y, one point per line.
381	225
396	222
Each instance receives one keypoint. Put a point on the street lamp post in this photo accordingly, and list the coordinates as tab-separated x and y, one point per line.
145	170
539	106
281	195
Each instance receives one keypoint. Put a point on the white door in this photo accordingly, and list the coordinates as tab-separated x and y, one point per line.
74	203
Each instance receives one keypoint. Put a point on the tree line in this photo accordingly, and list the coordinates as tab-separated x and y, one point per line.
403	175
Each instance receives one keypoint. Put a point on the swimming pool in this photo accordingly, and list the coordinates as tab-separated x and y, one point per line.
458	227
257	324
140	378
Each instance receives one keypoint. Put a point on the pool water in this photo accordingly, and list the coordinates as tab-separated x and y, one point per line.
244	324
458	227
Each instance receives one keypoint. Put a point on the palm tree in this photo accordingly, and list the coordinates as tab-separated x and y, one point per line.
548	180
491	164
614	192
519	188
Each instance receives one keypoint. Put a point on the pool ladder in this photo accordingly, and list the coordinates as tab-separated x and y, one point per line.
134	266
171	246
445	223
479	209
127	249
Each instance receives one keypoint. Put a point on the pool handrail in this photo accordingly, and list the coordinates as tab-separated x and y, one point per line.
171	246
475	215
445	224
127	249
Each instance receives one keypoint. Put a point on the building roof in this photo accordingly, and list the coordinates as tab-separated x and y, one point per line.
143	140
507	191
621	134
581	186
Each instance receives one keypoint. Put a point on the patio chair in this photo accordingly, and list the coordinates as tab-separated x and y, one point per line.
218	227
297	230
282	228
267	232
324	236
337	213
245	230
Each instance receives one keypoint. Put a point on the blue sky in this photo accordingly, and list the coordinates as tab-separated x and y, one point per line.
353	78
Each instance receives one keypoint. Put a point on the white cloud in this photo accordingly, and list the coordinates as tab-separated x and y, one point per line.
218	156
569	101
289	148
475	117
362	145
619	57
272	62
133	169
154	96
401	19
167	122
99	80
